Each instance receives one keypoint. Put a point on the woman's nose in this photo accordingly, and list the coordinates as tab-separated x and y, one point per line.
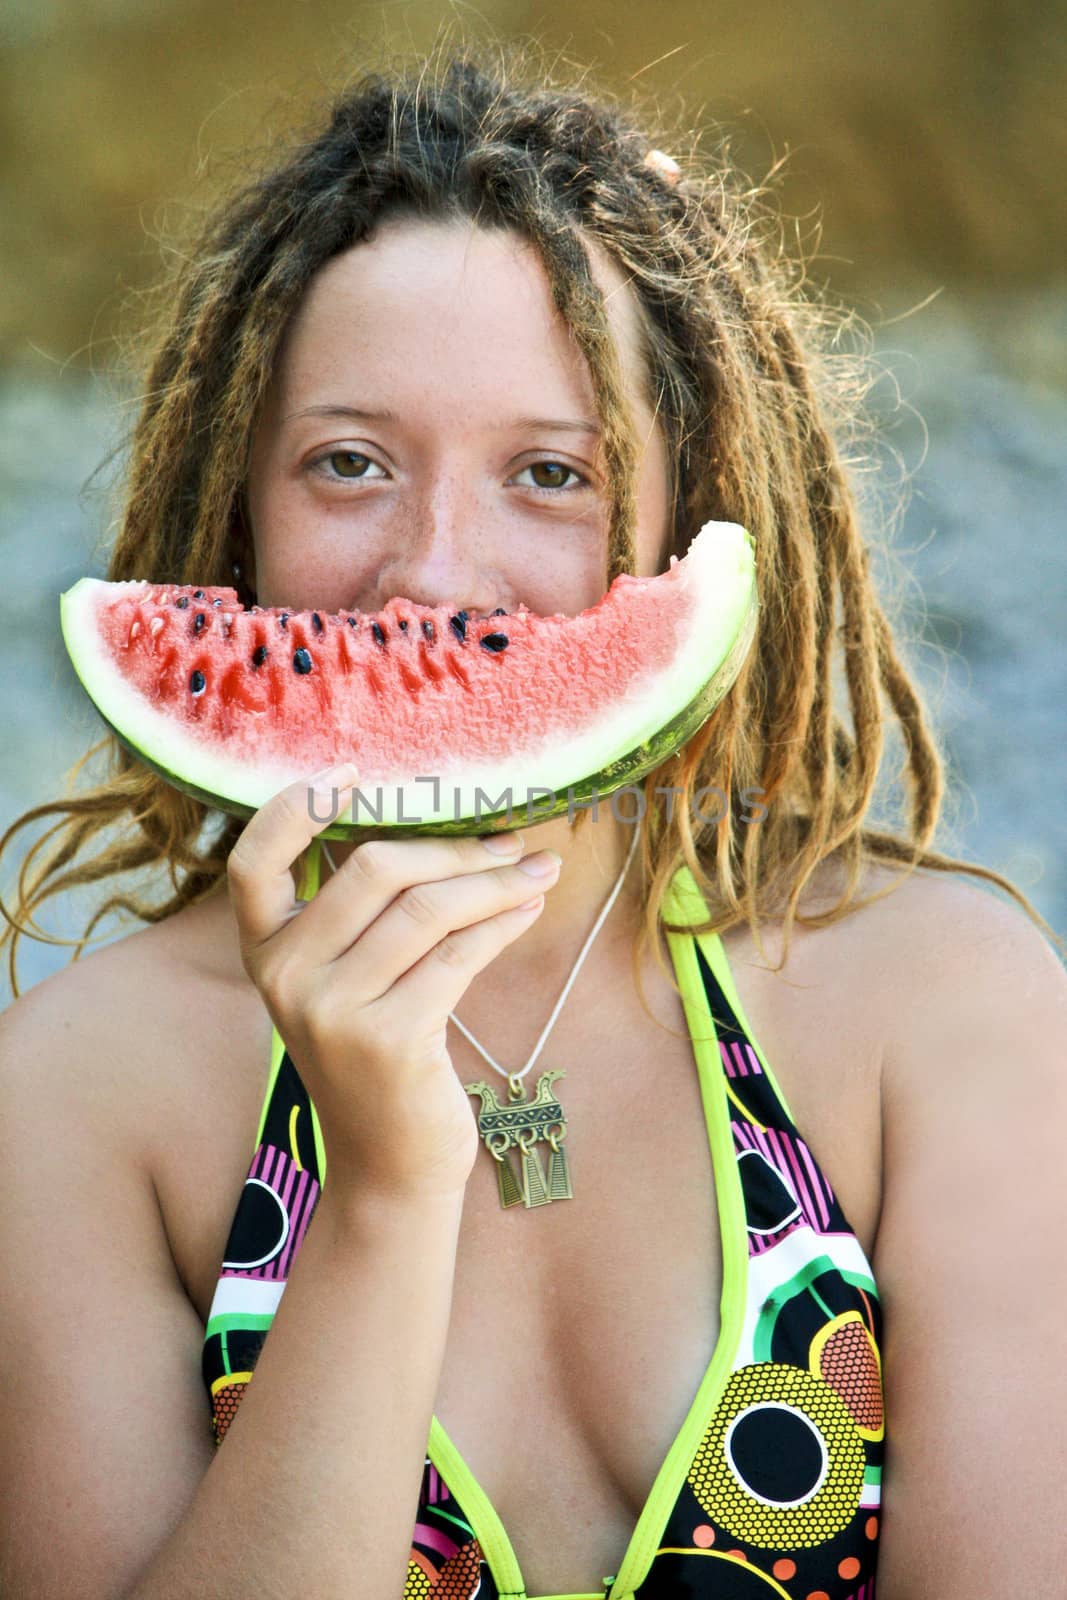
439	555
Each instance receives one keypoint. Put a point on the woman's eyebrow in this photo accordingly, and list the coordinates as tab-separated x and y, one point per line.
564	424
354	413
517	424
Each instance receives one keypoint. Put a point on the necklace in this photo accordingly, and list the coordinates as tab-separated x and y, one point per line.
521	1123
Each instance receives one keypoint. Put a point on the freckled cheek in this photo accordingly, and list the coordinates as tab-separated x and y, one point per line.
304	568
562	579
566	583
304	529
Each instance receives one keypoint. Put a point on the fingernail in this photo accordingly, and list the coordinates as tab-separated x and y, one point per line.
329	786
540	866
504	844
342	776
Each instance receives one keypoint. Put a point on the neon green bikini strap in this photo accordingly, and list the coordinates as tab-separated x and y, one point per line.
686	903
309	881
307	890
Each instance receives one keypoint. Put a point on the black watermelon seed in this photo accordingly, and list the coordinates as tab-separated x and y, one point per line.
182	601
499	612
260	655
197	683
283	619
352	623
302	661
198	622
465	615
427	628
316	622
199	594
459	625
216	602
495	641
379	636
403	625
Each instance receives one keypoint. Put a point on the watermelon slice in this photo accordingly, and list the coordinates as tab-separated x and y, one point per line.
456	723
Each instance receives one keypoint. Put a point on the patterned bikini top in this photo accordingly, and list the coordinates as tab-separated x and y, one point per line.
772	1485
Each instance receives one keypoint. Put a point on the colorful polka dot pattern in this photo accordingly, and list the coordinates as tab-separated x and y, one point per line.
225	1400
782	1464
419	1582
849	1363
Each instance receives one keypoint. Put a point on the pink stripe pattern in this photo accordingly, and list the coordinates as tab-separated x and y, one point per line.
431	1538
790	1157
297	1191
739	1059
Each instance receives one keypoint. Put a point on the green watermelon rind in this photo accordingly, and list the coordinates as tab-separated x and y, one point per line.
636	764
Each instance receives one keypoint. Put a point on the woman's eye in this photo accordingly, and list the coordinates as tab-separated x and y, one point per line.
556	471
353	466
348	457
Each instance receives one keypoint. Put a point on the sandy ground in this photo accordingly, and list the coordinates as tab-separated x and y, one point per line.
980	552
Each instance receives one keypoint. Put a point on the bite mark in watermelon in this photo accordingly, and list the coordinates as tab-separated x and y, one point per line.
232	704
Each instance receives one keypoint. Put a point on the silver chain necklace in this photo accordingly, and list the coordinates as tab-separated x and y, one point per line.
521	1123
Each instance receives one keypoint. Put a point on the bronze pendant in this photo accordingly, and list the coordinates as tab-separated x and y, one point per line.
521	1124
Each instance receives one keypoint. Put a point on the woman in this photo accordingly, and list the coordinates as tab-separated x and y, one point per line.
672	1384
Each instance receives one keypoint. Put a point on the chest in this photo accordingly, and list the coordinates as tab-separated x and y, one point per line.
580	1331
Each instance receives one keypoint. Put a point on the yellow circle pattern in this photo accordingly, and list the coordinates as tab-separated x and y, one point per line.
418	1584
768	1527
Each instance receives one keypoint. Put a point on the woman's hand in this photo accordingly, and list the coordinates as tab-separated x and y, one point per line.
360	980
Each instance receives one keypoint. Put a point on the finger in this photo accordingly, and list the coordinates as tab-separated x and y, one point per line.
259	867
435	985
426	913
375	874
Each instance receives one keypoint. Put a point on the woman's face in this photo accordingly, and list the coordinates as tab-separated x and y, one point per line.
484	485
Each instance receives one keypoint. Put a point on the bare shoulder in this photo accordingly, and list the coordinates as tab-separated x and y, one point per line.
952	959
974	1098
915	942
975	998
930	904
899	958
153	1052
130	1025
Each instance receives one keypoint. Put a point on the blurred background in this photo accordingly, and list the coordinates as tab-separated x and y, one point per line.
923	168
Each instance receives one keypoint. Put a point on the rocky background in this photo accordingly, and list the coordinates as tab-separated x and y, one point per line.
923	165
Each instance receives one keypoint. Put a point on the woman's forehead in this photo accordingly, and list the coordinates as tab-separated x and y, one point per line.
448	295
